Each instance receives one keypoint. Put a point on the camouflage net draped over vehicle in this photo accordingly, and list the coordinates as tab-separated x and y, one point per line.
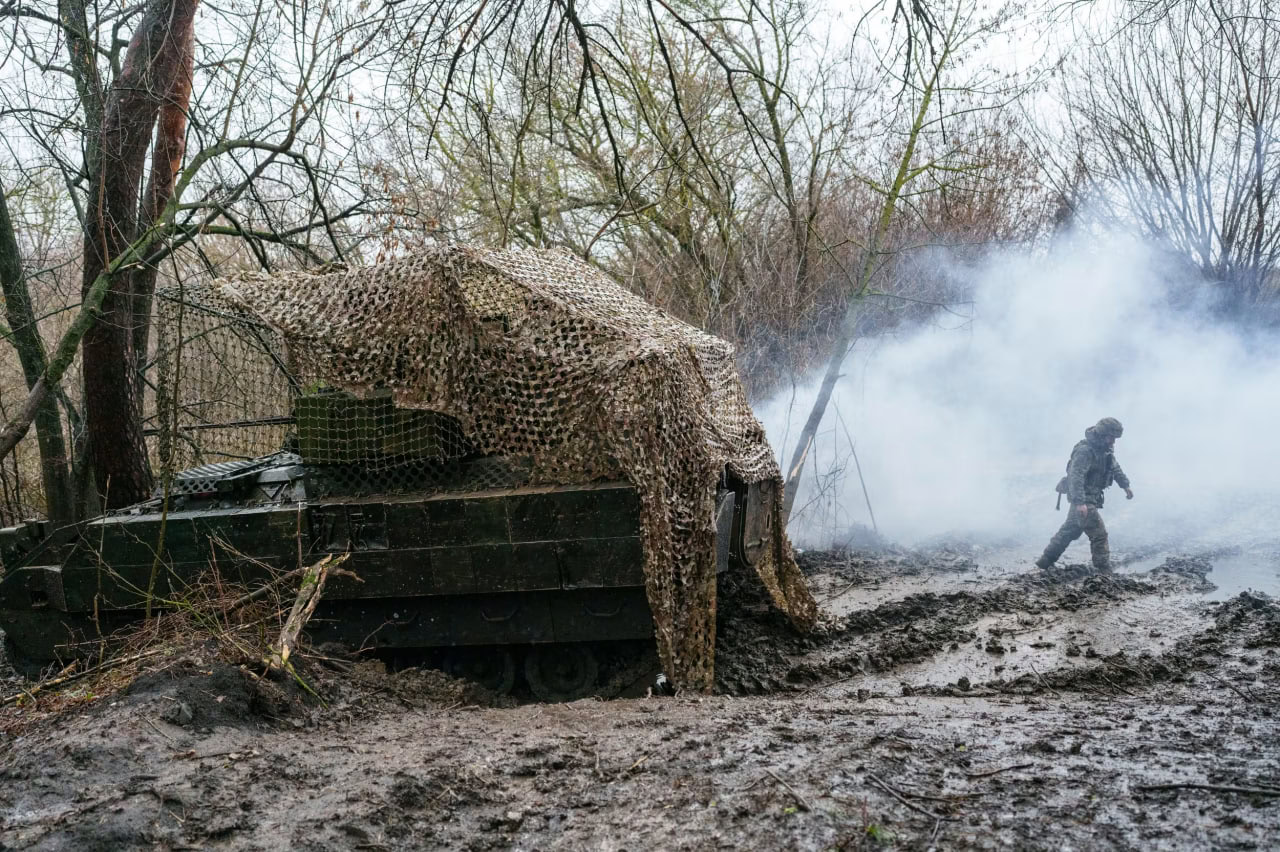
540	357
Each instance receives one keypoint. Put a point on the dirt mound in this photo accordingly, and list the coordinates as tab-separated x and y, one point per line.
863	565
372	682
200	696
1194	568
1255	616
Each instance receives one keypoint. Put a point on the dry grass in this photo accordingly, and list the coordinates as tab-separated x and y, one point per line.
212	622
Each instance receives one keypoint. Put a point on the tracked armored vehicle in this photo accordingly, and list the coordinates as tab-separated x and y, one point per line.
525	461
540	584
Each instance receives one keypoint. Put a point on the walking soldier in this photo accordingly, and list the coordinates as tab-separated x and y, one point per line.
1092	468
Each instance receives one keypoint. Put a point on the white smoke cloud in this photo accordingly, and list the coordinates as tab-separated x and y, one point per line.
963	427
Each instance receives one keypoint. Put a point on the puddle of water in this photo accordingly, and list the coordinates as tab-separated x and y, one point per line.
1242	572
1257	570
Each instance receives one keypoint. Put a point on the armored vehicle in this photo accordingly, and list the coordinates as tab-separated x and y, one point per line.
520	456
493	583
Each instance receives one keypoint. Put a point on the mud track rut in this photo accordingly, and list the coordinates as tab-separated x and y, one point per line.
949	700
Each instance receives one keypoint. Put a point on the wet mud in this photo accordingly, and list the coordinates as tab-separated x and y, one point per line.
952	698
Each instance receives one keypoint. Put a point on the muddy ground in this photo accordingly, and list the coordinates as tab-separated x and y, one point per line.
953	698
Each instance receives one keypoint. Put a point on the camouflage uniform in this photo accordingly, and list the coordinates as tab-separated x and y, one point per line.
1092	468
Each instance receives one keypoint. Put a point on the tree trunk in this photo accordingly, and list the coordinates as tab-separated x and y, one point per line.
166	161
54	468
81	50
157	62
892	193
810	431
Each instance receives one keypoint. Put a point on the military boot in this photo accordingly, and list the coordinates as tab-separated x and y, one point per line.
1099	546
1057	545
1101	555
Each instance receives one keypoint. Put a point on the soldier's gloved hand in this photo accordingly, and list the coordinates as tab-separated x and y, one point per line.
1084	509
1128	494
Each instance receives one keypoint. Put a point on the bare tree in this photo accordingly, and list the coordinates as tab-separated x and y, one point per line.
1178	124
152	90
726	121
55	469
712	145
523	161
275	165
935	94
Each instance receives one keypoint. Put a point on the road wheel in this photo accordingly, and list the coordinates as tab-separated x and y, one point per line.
492	668
25	667
561	672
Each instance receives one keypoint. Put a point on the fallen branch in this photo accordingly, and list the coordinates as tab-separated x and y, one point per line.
836	682
1042	680
989	773
59	681
153	727
309	591
1230	686
1142	676
1116	685
901	798
232	753
800	801
1217	788
262	591
840	593
948	799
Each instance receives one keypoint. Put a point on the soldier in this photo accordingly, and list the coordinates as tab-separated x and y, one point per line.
1092	468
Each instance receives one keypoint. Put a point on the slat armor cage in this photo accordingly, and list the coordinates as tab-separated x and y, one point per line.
475	368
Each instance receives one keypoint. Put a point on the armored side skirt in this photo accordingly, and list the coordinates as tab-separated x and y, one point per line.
521	566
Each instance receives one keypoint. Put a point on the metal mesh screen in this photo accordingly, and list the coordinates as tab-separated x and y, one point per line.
222	375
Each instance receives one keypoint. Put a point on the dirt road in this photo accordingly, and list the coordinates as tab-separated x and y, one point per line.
952	699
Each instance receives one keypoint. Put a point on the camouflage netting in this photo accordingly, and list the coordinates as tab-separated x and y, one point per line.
540	357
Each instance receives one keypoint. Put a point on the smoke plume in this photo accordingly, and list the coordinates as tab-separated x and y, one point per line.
963	426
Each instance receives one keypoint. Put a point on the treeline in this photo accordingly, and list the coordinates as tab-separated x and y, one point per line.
782	175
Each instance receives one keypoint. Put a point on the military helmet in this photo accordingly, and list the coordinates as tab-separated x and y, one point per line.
1109	427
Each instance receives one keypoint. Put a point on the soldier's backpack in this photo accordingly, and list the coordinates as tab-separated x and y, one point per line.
1061	487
